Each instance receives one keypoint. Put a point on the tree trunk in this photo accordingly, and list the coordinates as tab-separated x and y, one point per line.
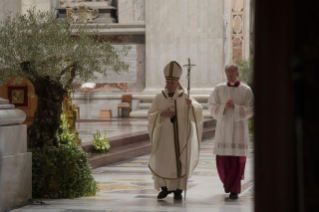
47	116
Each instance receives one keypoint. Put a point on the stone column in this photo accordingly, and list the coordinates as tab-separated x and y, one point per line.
247	25
16	162
7	6
227	32
42	5
131	11
178	30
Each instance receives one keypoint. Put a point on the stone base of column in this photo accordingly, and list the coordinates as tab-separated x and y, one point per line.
15	161
16	177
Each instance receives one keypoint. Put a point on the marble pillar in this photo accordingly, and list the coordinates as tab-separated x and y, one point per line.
16	162
7	6
178	30
131	11
42	5
247	25
227	31
21	6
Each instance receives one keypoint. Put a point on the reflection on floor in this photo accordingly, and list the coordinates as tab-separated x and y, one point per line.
128	187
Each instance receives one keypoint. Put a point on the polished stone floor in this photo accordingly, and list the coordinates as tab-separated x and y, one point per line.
128	187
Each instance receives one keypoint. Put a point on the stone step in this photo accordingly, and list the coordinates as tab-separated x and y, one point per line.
143	113
119	141
119	154
142	105
150	97
134	145
208	133
147	105
139	113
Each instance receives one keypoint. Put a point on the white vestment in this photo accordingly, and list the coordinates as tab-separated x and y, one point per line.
231	135
168	157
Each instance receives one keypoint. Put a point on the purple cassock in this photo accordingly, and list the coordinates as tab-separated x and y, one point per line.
231	170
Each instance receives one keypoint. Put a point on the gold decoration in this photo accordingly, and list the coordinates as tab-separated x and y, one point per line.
17	96
84	13
237	24
72	115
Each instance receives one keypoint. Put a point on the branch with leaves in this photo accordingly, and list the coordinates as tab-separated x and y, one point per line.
39	44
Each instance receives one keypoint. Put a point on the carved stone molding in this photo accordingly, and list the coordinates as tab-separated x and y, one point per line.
72	3
84	13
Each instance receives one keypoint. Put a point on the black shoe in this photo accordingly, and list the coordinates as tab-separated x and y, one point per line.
163	193
178	194
233	196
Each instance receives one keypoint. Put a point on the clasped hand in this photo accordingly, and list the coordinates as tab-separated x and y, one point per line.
188	102
229	104
168	113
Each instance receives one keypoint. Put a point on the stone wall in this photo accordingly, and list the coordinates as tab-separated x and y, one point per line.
7	6
178	30
131	11
107	95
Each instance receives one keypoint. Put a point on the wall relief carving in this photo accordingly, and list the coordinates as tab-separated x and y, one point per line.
84	13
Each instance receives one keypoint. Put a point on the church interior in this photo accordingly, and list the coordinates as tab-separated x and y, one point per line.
105	113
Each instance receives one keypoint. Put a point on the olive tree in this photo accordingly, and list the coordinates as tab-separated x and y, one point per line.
52	54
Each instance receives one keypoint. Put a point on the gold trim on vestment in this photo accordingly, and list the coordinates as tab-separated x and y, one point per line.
171	68
177	147
172	78
177	64
176	141
164	177
164	94
195	122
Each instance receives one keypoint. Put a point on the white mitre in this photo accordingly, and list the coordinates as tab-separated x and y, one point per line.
173	71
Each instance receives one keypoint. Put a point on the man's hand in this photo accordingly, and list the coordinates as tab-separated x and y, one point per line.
230	104
167	113
188	102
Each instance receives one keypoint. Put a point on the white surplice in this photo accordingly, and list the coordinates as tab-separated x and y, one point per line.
168	157
231	135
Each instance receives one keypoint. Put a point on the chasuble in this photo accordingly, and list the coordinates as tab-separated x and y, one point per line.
170	140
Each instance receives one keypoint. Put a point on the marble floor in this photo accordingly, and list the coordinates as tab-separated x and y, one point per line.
128	187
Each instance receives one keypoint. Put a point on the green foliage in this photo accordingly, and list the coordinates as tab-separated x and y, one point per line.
246	70
63	134
246	75
64	171
100	144
61	172
38	44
